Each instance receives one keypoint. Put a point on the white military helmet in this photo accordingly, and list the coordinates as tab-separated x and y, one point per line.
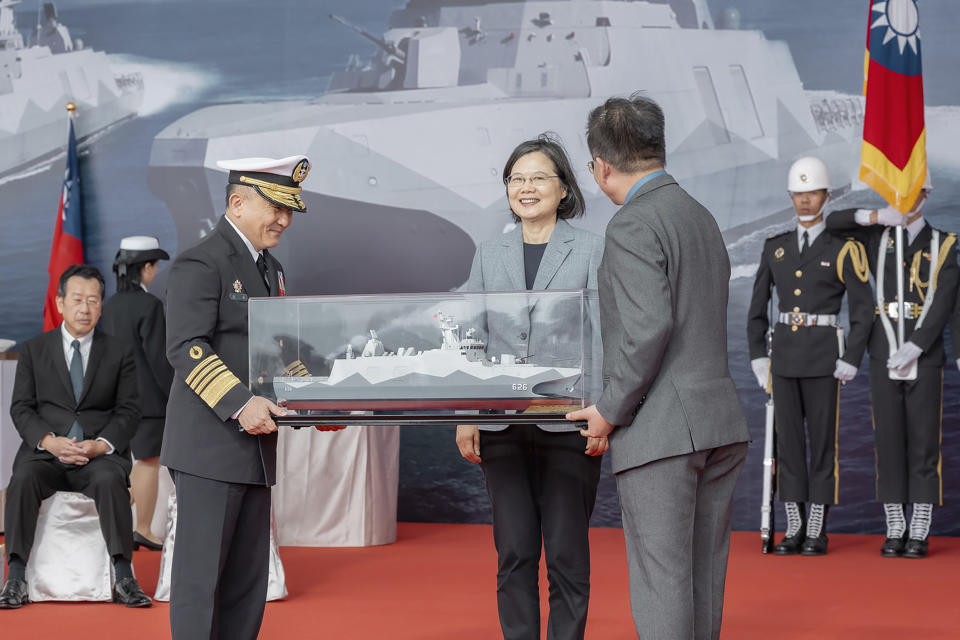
808	174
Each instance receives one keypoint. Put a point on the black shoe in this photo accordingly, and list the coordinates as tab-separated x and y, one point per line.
893	547
14	594
815	546
143	541
915	548
127	592
790	545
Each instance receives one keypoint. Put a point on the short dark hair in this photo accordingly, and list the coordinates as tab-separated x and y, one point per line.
548	143
85	271
129	280
231	189
628	134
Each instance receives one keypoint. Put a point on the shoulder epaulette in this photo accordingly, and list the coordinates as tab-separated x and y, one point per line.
777	235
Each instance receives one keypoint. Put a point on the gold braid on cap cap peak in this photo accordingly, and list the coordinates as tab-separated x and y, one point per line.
284	196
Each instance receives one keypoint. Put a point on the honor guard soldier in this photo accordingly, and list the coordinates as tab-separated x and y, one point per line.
220	440
906	382
811	271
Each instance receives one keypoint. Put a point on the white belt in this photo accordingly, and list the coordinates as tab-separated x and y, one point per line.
910	310
800	319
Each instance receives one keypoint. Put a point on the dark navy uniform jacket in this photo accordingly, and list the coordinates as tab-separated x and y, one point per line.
917	270
207	292
137	318
813	284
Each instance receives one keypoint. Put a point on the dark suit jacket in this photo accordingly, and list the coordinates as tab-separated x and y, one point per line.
815	283
929	336
137	318
207	293
43	399
664	282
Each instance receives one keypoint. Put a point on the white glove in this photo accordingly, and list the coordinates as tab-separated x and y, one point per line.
845	372
761	369
890	217
904	356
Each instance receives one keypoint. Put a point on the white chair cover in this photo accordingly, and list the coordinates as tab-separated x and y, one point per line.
276	581
69	559
337	489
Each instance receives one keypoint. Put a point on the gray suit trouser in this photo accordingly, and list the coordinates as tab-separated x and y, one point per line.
676	521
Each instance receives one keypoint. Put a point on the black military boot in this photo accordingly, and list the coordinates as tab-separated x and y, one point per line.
796	530
920	519
816	541
896	531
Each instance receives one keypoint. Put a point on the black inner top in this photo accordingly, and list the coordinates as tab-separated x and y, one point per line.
532	255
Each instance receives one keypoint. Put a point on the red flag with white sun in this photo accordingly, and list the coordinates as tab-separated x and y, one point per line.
893	159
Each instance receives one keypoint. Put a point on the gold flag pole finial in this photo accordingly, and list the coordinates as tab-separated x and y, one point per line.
71	107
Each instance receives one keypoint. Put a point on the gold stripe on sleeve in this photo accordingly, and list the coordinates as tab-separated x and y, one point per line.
219	388
199	384
197	369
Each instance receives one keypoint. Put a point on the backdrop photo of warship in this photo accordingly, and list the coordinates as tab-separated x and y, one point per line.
408	127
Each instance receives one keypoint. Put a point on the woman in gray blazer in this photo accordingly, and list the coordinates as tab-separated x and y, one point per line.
542	482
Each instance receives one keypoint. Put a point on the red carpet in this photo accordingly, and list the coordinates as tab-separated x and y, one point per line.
437	583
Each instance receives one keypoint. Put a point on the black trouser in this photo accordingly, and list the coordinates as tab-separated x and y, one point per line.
220	559
542	488
907	418
102	479
816	400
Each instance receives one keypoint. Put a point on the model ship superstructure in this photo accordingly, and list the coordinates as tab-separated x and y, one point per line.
456	375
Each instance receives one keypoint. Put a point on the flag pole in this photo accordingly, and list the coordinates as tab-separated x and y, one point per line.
900	305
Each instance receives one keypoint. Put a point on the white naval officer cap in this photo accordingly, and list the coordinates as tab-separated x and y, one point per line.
276	180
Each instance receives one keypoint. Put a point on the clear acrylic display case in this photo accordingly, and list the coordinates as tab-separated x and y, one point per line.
424	358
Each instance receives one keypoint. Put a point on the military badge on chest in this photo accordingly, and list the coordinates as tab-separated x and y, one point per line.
281	284
778	254
238	293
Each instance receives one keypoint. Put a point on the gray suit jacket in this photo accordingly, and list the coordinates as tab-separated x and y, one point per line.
570	261
664	283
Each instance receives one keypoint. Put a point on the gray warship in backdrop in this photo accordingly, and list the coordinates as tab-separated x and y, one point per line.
37	82
408	147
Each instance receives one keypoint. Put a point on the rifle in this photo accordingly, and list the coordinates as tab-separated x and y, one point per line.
769	462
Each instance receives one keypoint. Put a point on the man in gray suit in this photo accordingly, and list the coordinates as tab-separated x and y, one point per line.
678	438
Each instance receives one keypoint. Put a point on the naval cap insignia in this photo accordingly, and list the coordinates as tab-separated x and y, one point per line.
803	177
778	254
196	352
237	286
300	171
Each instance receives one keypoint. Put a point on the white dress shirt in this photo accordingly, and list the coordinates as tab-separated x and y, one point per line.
85	343
812	233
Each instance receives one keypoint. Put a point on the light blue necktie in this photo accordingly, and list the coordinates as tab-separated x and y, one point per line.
76	378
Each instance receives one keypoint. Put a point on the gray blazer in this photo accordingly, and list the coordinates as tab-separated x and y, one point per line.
570	261
664	283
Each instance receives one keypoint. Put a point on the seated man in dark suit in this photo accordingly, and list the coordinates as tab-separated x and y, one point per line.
75	405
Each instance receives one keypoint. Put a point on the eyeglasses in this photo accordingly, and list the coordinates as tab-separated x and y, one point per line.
517	180
590	166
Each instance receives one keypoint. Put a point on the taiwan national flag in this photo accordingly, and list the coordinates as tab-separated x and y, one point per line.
893	159
67	248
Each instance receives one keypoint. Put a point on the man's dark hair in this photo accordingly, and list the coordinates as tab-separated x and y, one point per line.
129	280
231	188
571	206
85	271
628	134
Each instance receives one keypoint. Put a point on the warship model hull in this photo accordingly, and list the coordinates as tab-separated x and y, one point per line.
37	82
413	142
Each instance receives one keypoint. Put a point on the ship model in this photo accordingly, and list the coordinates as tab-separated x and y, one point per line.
457	375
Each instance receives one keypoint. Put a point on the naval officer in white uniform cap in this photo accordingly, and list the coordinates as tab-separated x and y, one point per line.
220	441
